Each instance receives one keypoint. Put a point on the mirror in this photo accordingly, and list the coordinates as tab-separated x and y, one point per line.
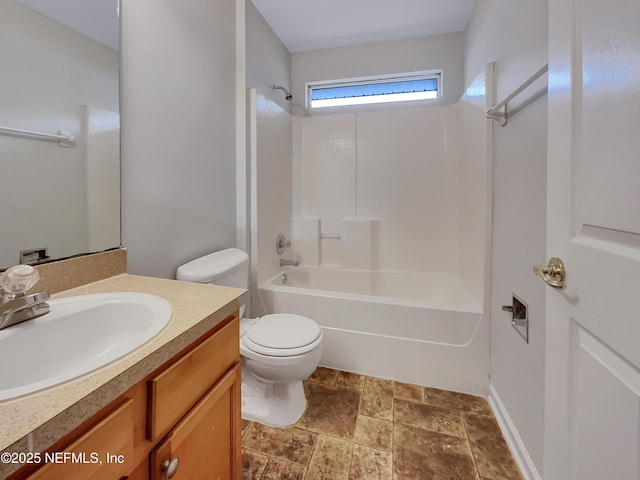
62	196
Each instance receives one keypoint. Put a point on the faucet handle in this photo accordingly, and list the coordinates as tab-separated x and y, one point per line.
18	279
282	243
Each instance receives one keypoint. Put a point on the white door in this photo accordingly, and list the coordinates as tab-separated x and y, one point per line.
592	417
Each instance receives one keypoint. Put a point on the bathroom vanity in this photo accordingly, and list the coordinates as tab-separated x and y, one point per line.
170	409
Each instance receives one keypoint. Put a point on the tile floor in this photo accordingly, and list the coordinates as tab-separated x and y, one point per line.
363	428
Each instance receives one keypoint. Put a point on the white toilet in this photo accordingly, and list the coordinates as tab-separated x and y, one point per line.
278	351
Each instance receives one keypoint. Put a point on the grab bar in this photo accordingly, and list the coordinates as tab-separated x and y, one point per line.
65	139
495	114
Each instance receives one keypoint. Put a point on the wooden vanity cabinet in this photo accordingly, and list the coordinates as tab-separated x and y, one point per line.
114	435
188	409
203	443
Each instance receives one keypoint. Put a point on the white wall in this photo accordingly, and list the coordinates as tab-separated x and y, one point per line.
268	60
178	131
444	52
514	35
49	72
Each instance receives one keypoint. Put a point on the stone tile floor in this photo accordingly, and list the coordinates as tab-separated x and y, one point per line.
362	428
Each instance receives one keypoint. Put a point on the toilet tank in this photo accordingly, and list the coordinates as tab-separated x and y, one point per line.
228	267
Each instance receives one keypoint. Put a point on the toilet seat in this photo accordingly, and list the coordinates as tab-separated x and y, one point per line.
282	335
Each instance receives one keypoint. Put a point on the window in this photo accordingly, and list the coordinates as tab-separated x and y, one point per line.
380	89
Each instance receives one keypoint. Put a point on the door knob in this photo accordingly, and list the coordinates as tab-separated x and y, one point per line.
553	274
170	467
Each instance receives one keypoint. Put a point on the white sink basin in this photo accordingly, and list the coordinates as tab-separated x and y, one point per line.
78	335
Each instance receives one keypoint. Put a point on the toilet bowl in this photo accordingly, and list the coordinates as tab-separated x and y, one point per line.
277	351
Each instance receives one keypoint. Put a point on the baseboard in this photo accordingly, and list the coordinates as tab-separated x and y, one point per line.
515	443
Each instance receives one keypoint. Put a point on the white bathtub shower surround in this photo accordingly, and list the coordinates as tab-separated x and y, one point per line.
443	292
375	214
396	166
271	179
352	241
402	170
306	231
407	326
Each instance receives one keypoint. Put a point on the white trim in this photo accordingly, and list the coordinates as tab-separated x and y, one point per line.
372	79
242	222
513	439
386	98
252	160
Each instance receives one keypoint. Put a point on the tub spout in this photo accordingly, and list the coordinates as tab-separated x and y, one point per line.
285	263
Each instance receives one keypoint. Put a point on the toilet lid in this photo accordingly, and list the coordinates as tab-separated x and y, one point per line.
282	334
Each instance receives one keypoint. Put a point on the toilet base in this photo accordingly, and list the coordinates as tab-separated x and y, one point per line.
275	404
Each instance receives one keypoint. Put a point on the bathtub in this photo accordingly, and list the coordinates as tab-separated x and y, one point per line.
410	327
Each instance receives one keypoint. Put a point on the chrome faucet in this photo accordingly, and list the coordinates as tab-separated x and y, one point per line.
285	263
15	305
22	307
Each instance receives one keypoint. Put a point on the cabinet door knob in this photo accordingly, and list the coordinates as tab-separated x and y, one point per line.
170	467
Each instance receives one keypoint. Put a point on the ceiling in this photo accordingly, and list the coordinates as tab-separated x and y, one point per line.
304	25
94	18
301	25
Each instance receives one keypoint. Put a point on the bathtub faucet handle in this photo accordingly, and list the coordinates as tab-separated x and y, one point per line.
282	243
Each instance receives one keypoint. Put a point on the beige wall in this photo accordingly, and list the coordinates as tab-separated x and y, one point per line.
514	35
426	53
269	149
179	110
268	60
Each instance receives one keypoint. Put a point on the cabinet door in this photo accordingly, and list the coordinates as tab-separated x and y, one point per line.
206	442
141	472
101	453
176	390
